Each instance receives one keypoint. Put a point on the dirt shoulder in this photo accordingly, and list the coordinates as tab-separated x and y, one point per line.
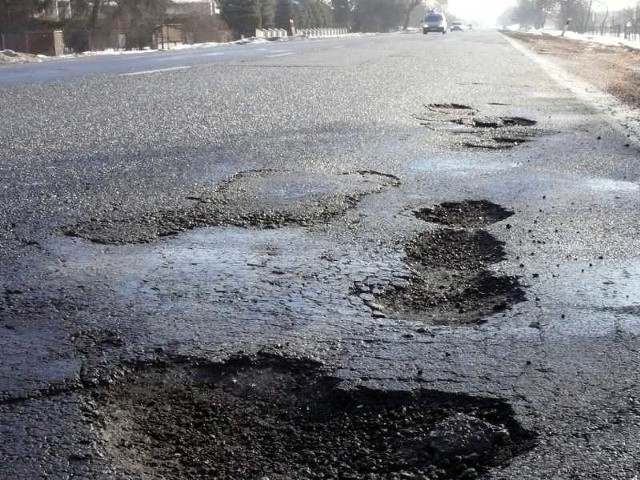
615	70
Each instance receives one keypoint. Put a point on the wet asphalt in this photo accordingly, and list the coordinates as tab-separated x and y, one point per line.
350	123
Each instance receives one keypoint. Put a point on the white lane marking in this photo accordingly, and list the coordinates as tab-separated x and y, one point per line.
214	54
279	55
147	72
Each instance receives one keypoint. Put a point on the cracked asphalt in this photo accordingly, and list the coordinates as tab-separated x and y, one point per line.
248	206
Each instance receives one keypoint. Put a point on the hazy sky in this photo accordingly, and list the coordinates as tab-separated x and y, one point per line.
487	11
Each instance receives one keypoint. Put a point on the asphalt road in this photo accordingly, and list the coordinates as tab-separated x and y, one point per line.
136	191
145	62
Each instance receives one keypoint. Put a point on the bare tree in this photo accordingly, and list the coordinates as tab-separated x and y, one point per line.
16	13
411	5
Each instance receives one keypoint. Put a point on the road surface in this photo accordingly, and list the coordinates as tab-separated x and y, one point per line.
183	231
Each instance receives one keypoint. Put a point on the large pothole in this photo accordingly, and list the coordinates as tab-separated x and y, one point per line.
260	199
277	418
450	282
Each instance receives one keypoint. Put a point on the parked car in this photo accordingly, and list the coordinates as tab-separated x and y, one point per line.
434	22
457	25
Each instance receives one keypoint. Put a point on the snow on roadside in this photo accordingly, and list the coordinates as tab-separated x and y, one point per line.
614	111
584	37
14	57
9	56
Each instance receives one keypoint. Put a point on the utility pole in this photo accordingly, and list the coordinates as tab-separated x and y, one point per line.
587	17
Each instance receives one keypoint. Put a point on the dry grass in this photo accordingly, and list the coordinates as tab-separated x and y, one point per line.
615	70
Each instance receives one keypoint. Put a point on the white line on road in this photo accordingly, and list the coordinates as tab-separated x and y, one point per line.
279	55
146	72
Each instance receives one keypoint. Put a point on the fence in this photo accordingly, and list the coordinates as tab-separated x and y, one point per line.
271	33
629	32
274	33
35	42
321	32
166	36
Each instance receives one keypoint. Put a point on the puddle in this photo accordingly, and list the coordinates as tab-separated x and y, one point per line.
465	214
259	199
278	418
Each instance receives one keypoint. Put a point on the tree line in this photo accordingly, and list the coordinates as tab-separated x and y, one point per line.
137	18
580	15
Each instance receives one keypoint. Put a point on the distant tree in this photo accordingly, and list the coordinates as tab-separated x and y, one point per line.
267	13
138	19
572	13
283	13
320	14
243	16
342	12
436	4
410	6
81	8
301	16
508	17
533	12
378	15
16	13
312	14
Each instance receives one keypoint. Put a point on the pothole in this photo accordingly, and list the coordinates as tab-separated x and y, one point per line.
449	106
484	142
449	281
465	214
258	199
518	122
454	249
472	130
500	122
278	418
514	141
446	112
487	122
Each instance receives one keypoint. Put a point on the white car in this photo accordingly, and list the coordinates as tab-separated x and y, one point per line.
457	25
434	22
